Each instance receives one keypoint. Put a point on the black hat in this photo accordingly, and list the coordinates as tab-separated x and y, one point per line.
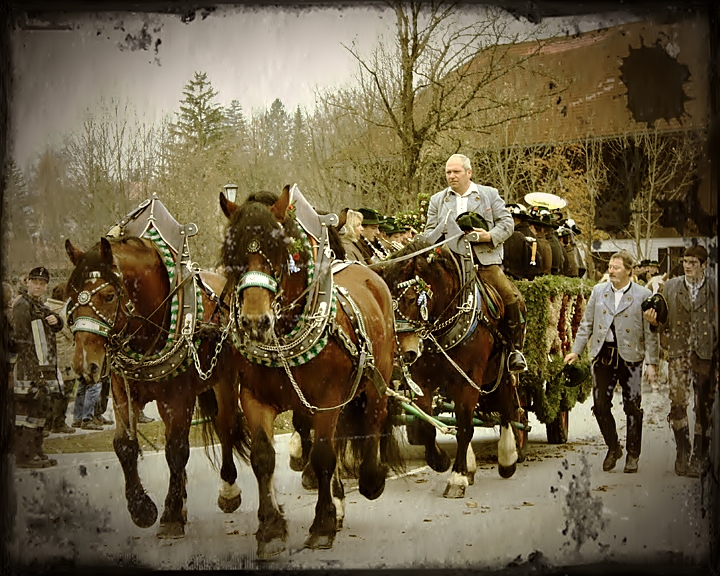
469	220
570	223
39	273
573	375
658	303
644	263
653	263
370	217
564	231
542	217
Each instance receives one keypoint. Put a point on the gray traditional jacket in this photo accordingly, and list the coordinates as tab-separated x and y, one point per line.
635	339
690	326
486	202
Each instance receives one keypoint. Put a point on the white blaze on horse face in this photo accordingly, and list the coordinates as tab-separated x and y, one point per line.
507	449
89	356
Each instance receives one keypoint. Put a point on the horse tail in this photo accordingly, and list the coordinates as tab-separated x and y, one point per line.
207	408
350	439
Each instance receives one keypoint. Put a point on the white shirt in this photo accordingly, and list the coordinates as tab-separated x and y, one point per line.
462	200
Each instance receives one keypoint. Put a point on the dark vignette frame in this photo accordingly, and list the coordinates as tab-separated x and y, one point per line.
534	11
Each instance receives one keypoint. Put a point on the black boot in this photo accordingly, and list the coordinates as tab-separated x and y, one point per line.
682	445
608	429
695	466
634	439
515	333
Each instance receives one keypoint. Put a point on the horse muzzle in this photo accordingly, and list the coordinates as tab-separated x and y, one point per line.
411	347
258	327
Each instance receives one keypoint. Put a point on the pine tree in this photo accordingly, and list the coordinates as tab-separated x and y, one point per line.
200	120
277	128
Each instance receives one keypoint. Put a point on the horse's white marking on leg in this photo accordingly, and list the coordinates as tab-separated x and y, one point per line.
471	462
295	445
339	504
229	491
507	450
457	479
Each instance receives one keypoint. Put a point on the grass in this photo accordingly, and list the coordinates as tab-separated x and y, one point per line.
150	436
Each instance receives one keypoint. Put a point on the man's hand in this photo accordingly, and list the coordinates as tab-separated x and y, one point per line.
570	358
651	316
51	319
482	235
651	373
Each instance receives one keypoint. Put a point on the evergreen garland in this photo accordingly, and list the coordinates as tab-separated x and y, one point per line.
555	306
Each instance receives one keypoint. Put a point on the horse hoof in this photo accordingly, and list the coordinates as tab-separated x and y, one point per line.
297	464
143	511
267	550
507	471
370	491
309	481
440	464
229	505
454	491
171	530
471	478
320	541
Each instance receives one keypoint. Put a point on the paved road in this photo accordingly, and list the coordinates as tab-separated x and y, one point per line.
558	503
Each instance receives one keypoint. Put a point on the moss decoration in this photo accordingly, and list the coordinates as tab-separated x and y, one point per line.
555	306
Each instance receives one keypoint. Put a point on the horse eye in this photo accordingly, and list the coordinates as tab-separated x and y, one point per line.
109	297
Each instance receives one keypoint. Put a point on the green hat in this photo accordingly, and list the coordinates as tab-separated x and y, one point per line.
658	303
370	217
469	220
391	226
573	375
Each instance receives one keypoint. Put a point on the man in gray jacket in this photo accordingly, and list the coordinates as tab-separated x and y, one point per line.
690	338
461	196
619	339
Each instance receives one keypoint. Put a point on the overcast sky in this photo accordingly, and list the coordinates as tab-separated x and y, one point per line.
252	55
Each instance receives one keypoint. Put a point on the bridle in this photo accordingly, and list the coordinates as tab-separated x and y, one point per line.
424	294
102	325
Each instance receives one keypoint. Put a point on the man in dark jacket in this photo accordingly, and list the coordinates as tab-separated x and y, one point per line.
36	380
520	260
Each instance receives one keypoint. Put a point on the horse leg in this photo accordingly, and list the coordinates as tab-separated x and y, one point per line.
324	463
507	446
372	471
436	457
460	477
272	528
338	496
176	416
230	496
140	506
299	449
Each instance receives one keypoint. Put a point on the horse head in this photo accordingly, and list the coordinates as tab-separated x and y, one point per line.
423	287
264	259
108	299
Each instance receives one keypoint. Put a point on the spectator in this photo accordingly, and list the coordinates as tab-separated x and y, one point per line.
34	327
351	237
689	335
65	351
619	340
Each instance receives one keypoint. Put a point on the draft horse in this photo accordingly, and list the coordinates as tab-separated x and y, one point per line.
120	307
451	342
316	341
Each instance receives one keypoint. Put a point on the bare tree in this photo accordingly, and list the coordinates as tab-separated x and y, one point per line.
443	71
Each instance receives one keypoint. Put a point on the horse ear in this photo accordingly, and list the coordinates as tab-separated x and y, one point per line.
227	206
106	251
279	209
73	253
342	219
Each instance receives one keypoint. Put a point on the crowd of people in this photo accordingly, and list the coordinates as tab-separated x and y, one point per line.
633	318
40	367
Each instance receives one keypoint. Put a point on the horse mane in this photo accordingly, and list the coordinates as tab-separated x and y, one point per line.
253	220
392	271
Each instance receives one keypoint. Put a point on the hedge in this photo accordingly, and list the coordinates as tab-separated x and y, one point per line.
555	306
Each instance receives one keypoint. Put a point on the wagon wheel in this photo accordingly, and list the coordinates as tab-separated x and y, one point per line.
557	430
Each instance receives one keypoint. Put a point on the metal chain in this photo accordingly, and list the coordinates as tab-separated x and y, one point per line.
213	362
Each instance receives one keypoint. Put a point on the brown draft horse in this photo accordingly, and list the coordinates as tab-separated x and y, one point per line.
268	265
426	292
119	296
